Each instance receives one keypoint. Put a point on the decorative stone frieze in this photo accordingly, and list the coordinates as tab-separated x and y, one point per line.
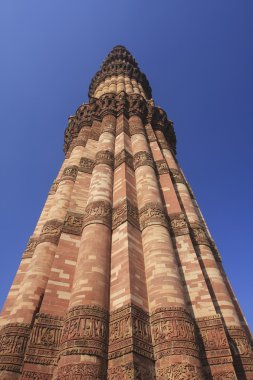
161	167
30	248
131	371
105	157
51	231
216	347
178	224
137	106
30	375
241	349
143	158
179	371
173	333
123	156
70	173
45	339
151	214
86	165
85	331
198	234
125	211
73	223
81	371
13	342
176	176
98	212
129	331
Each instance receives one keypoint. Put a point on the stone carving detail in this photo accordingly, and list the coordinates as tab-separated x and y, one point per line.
27	375
45	339
129	332
213	336
162	167
152	214
13	342
176	176
105	157
89	117
125	211
130	371
241	349
224	375
109	126
51	231
70	173
86	165
143	158
198	234
123	156
136	128
98	212
81	371
54	187
178	224
85	331
73	223
179	371
30	248
173	333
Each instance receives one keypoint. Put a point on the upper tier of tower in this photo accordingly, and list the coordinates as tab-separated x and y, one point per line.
119	72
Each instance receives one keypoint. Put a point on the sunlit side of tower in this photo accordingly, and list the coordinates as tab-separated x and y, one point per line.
121	278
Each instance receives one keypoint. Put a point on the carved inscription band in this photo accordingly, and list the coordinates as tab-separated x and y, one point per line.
13	342
129	332
85	332
125	212
173	333
198	234
81	371
45	340
143	158
73	223
152	214
105	157
51	231
124	156
178	224
86	165
70	173
98	212
30	248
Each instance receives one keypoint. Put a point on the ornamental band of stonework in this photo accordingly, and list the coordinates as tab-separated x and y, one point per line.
121	278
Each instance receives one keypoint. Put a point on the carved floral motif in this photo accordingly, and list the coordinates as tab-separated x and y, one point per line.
29	375
161	167
178	224
198	234
81	371
30	248
70	173
176	176
182	371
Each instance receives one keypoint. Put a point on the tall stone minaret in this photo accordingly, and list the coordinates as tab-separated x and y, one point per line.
121	278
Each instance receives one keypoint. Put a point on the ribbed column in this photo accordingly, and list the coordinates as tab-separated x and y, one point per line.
130	345
173	331
210	324
87	318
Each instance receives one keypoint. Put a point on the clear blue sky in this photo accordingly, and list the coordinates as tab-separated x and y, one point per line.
198	57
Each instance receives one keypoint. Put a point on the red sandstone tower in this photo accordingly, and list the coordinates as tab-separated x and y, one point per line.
121	278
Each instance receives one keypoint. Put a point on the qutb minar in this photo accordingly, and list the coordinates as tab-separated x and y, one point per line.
121	278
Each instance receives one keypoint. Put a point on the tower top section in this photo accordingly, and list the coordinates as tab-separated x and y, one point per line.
120	72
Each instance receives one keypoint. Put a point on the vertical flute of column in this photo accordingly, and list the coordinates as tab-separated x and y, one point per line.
212	327
165	290
33	286
130	346
87	318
